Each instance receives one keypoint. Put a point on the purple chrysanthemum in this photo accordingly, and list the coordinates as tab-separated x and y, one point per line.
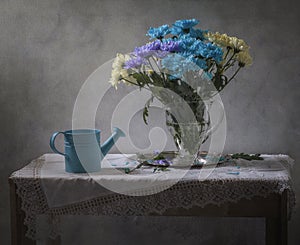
156	48
170	46
134	62
147	50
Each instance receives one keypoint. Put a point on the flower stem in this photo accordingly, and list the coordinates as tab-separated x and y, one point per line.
226	53
236	72
164	79
134	83
228	61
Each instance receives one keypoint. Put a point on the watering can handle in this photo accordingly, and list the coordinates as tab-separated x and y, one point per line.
220	119
52	143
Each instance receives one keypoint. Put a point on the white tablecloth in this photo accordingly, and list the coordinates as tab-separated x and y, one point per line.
46	189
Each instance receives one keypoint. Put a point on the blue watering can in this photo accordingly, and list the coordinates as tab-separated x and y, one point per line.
83	152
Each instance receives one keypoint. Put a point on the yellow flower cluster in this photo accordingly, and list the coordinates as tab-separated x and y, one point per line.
118	72
244	58
238	45
220	39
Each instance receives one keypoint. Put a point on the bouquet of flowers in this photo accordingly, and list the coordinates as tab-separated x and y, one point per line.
185	61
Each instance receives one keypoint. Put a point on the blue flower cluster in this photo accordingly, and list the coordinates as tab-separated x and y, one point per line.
192	46
182	27
200	50
159	32
183	39
186	24
178	65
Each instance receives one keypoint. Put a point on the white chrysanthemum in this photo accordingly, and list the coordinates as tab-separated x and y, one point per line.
117	66
118	73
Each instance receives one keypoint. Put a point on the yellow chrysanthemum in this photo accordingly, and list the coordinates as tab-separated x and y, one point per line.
238	44
225	41
219	39
244	58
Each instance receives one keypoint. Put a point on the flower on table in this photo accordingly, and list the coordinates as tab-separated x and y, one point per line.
179	49
163	162
181	53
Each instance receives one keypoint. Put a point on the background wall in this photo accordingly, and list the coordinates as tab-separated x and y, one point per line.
49	47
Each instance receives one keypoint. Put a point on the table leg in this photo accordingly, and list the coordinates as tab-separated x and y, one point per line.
273	236
284	218
276	226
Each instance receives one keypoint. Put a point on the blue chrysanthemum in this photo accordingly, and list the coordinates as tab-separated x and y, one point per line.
186	24
209	50
197	33
177	65
158	32
186	42
176	31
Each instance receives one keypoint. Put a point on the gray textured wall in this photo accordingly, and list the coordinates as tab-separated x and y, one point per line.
49	47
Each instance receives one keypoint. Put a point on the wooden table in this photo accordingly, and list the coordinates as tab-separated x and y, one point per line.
274	208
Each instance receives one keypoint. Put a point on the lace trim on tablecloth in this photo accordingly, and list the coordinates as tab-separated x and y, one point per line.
34	202
184	194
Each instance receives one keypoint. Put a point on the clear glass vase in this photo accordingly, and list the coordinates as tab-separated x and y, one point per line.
188	103
189	124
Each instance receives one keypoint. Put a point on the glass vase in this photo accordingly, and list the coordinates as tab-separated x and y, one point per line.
189	124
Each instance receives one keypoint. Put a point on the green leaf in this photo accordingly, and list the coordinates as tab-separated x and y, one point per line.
160	156
145	114
146	111
246	156
157	79
141	78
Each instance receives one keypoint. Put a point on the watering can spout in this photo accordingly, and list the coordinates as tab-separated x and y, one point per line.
108	144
